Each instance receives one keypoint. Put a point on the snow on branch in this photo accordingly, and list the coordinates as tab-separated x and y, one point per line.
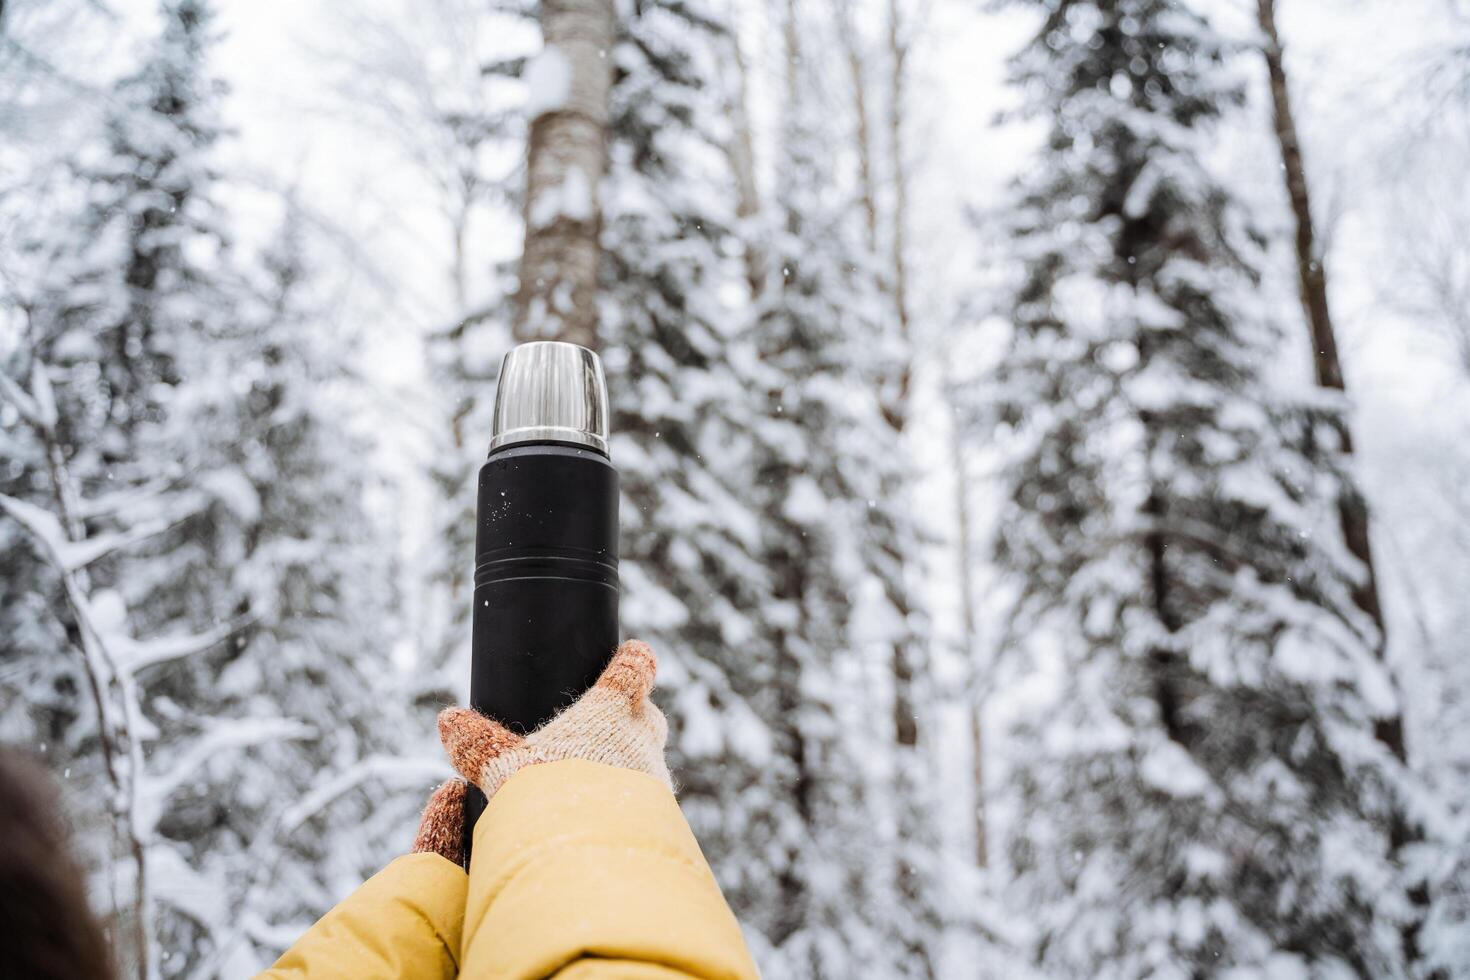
38	407
72	555
223	736
45	398
390	770
24	403
40	524
134	655
265	854
80	554
114	696
108	504
185	889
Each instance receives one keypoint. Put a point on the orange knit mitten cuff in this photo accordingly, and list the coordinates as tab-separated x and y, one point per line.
614	723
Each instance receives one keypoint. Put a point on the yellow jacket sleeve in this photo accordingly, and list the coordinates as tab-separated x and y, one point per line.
403	922
583	871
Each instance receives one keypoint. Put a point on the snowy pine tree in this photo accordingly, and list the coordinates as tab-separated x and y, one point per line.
1207	791
210	579
824	457
895	559
892	613
723	523
312	563
693	582
120	283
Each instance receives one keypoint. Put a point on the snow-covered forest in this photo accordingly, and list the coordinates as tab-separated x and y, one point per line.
1044	428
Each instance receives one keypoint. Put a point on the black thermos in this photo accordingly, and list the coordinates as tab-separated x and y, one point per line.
546	543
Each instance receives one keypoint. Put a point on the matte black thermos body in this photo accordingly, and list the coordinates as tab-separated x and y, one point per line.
545	620
546	580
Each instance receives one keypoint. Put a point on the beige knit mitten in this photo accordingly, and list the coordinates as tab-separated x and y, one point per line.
614	723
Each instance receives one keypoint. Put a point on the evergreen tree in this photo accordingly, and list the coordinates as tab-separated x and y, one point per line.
752	455
1207	791
119	288
189	479
894	558
824	457
684	428
312	565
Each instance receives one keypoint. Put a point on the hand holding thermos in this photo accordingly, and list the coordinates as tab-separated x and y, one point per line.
583	865
615	724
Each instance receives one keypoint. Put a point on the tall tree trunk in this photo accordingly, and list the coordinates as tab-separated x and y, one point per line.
867	188
1312	282
916	836
459	222
896	399
740	149
1352	508
977	776
791	566
969	637
566	159
898	52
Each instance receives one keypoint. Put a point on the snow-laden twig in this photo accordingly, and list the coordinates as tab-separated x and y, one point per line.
45	530
37	407
387	769
265	853
187	890
30	413
43	397
55	533
134	655
234	733
108	504
80	554
102	676
40	524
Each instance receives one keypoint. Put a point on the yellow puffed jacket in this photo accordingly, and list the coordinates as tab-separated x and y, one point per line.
581	871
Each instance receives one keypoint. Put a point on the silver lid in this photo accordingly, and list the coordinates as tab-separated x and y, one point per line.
550	392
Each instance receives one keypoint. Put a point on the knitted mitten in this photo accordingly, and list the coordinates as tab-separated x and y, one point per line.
614	723
441	826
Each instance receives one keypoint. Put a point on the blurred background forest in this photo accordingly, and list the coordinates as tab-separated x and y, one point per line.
1044	426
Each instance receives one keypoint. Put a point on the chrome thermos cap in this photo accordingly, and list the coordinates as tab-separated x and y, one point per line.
550	392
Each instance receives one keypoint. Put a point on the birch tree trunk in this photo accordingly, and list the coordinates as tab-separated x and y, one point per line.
566	158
